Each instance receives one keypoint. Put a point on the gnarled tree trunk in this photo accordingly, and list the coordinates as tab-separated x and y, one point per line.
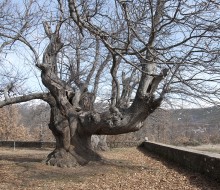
73	120
73	133
73	145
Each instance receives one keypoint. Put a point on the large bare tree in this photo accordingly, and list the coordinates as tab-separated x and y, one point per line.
130	54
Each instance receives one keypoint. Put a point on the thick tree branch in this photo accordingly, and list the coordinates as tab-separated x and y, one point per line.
115	82
25	98
94	64
98	75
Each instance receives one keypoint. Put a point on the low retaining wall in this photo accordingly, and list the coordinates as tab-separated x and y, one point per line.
30	144
123	144
27	144
198	161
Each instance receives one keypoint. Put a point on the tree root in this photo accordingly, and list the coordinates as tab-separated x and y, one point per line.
62	158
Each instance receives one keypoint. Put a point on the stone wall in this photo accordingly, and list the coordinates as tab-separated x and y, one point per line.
29	144
123	144
197	161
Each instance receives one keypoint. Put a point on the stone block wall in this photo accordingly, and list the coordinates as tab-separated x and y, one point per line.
203	162
27	144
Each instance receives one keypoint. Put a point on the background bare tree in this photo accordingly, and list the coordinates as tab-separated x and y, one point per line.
131	55
10	128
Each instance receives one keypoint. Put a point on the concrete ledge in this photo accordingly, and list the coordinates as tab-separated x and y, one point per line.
198	161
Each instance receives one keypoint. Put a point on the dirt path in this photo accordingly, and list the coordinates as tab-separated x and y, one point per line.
128	169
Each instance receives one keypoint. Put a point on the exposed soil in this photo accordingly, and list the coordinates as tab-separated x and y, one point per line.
126	169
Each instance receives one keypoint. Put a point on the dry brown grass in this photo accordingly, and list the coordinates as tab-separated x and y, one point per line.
127	169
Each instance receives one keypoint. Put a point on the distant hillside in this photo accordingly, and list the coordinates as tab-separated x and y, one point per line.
179	127
202	116
168	126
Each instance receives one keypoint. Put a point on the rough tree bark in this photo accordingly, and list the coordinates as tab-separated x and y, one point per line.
73	131
73	145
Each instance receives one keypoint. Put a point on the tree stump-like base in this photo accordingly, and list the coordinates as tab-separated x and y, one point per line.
63	158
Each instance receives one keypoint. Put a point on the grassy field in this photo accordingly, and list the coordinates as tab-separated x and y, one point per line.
126	169
208	148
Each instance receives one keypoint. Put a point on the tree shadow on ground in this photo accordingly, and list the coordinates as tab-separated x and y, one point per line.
80	173
35	169
20	159
196	179
122	164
